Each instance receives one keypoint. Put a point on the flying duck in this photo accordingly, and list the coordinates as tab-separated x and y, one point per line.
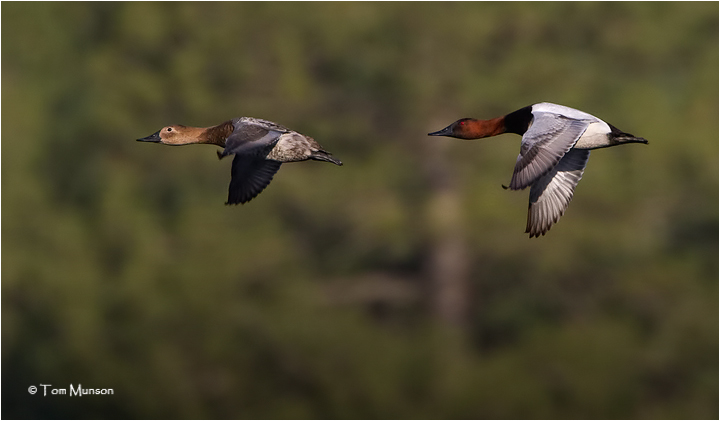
259	146
556	144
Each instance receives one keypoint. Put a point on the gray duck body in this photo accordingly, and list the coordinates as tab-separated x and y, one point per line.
260	147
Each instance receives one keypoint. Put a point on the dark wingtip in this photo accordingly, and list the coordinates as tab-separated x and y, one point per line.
241	201
534	234
238	202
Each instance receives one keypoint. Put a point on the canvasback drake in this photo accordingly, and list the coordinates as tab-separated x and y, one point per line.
556	144
259	146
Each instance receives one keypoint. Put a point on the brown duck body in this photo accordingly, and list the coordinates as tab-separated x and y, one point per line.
259	146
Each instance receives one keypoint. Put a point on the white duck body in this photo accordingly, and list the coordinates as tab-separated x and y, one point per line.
553	155
555	147
597	133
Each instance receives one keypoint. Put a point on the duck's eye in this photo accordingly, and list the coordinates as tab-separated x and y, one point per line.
462	123
169	129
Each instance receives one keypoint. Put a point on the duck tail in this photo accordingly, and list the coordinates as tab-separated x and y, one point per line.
325	156
631	139
622	137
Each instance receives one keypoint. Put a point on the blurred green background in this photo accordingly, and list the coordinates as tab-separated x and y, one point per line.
400	285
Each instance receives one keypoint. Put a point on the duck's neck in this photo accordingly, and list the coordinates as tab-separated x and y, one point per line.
478	129
216	135
519	121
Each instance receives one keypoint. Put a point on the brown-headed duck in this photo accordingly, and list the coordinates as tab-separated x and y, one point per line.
259	146
556	144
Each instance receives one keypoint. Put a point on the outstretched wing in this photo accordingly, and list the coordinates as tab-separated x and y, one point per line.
549	137
250	176
253	137
551	193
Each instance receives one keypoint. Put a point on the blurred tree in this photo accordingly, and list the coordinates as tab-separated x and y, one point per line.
447	265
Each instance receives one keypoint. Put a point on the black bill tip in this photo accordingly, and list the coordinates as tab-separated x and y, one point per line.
447	131
155	138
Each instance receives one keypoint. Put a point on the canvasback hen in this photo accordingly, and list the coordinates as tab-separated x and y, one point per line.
556	144
259	146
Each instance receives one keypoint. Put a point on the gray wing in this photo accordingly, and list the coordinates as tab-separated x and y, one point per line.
250	176
549	137
262	123
551	193
252	138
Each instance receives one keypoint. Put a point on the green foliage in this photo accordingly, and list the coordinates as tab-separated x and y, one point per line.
123	269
